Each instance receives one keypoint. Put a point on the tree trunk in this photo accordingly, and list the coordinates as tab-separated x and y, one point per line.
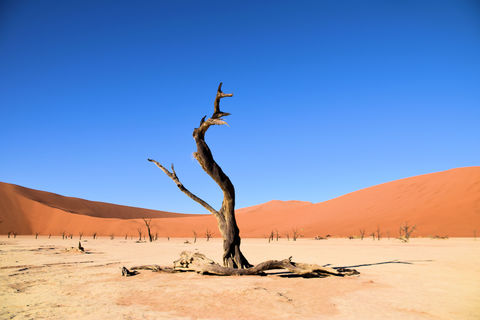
232	255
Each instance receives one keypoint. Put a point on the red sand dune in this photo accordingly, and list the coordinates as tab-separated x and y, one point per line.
441	203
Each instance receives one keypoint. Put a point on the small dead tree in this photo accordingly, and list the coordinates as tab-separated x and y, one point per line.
36	235
288	236
362	234
94	235
71	235
49	235
80	235
378	233
14	235
270	237
406	231
194	237
227	224
63	235
139	230
112	236
208	234
9	233
148	223
126	236
295	234
277	235
373	235
156	235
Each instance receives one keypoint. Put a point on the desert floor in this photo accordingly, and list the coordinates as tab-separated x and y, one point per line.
423	279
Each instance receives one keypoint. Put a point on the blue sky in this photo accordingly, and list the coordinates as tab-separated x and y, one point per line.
329	96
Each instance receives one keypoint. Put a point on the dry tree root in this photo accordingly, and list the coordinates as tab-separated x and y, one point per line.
197	262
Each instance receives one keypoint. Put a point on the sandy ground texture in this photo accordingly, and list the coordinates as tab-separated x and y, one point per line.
424	279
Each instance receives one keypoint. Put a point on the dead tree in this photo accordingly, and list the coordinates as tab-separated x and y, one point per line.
9	233
270	237
14	235
49	235
194	237
227	224
406	231
36	235
378	233
94	235
288	236
80	235
277	235
295	234
373	235
156	236
139	230
362	234
208	234
126	236
148	223
112	236
63	235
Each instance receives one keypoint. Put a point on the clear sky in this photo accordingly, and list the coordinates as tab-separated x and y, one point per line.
329	96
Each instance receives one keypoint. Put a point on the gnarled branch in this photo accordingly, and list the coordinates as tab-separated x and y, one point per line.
197	262
173	175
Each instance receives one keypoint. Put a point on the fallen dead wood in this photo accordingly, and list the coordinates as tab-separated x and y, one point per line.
197	262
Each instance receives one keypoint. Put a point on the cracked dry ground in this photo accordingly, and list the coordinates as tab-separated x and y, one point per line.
45	279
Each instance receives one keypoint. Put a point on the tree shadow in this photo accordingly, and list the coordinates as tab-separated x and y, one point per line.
379	263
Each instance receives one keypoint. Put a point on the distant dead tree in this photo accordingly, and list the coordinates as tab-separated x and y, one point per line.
80	235
71	235
94	235
362	234
288	236
350	237
9	233
112	236
373	235
49	235
156	235
227	224
14	235
194	237
36	235
295	234
126	236
270	236
168	238
277	235
139	230
148	223
378	233
405	232
63	235
208	234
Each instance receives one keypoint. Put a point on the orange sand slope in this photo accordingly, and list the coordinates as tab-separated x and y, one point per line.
442	203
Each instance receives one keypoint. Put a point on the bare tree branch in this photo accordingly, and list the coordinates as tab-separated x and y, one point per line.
173	175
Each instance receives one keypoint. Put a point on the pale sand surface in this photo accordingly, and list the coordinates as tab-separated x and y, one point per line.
432	279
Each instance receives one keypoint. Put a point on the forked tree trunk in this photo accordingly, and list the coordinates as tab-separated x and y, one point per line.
232	255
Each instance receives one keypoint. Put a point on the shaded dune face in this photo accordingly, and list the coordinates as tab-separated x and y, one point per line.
444	203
